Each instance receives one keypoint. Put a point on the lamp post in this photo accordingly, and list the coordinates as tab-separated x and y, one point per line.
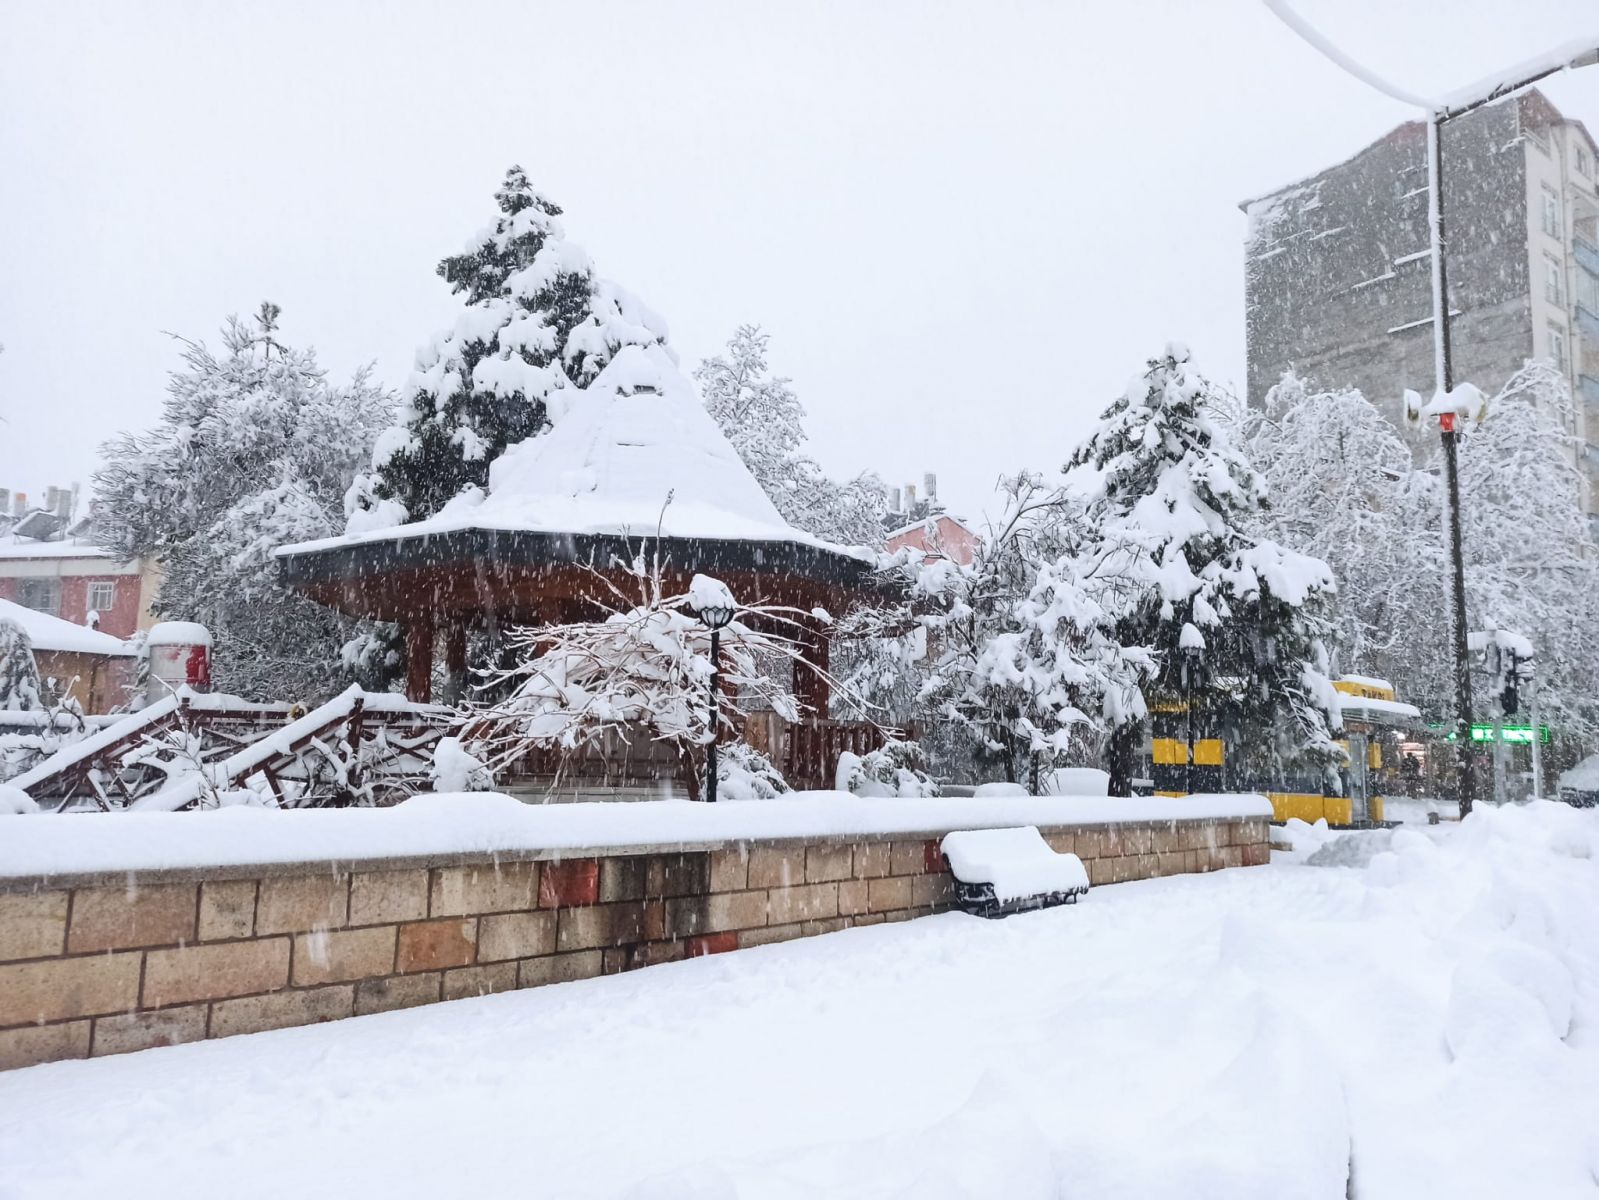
716	618
1582	53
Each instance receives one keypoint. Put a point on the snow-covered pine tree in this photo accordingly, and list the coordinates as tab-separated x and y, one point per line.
765	420
536	323
254	449
20	689
1237	624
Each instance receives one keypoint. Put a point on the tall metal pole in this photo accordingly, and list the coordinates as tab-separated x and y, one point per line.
710	765
1537	738
1443	368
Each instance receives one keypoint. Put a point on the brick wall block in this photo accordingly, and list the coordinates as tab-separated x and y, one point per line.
389	897
516	935
1112	843
872	860
558	968
434	945
1257	854
301	903
1061	841
802	903
867	918
1138	841
710	943
280	1010
1100	871
482	980
852	897
117	918
34	1044
668	875
462	891
32	924
127	1032
1167	840
1232	856
55	989
1089	844
397	991
227	909
213	971
568	884
730	869
882	895
824	864
650	954
907	858
776	866
622	879
718	913
600	925
1171	863
927	890
342	955
771	934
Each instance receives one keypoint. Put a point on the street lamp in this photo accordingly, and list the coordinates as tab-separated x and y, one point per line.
1583	53
715	617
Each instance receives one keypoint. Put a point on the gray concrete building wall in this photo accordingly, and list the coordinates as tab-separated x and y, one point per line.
1338	276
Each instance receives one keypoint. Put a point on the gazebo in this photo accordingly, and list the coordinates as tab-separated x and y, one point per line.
634	465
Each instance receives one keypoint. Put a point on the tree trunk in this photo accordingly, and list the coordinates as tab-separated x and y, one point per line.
1121	752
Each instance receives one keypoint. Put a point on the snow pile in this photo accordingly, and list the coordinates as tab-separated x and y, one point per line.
52	633
1077	781
15	802
1017	862
457	769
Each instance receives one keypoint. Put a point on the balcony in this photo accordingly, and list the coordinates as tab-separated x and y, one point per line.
1587	254
1588	389
1587	324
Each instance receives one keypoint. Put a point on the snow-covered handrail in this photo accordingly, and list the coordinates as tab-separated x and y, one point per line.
85	749
281	744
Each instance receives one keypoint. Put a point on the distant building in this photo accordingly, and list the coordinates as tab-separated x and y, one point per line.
920	521
93	669
49	563
1338	271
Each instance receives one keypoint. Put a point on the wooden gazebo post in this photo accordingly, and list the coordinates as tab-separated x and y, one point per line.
419	631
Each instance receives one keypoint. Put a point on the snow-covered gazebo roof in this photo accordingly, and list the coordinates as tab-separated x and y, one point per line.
633	462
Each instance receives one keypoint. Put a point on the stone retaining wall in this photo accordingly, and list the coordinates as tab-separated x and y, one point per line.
95	965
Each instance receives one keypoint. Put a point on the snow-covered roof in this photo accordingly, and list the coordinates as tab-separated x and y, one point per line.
1368	707
52	633
634	453
929	519
12	546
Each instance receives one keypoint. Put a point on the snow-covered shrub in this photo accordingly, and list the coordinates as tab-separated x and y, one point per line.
744	773
894	769
457	769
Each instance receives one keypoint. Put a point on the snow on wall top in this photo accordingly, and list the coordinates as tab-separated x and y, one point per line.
21	547
633	452
52	633
490	824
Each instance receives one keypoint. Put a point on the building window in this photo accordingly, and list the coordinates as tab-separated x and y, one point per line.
1551	212
1552	290
102	597
1584	163
41	595
1557	349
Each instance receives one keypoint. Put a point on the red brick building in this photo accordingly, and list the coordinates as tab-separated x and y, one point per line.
70	579
938	536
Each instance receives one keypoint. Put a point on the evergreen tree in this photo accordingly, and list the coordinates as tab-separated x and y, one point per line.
536	324
20	690
254	449
1236	623
765	420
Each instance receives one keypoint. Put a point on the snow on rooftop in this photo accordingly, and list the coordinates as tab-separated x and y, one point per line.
634	452
52	633
21	547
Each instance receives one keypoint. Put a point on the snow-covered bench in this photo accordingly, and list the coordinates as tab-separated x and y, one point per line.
1002	871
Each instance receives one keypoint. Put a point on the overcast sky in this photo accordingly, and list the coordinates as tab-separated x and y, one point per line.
964	225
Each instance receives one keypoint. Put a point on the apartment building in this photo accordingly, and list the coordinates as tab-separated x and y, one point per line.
1338	271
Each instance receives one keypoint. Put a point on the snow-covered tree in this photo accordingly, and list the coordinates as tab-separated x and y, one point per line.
20	690
1344	489
254	449
537	323
1237	624
1531	562
642	670
765	420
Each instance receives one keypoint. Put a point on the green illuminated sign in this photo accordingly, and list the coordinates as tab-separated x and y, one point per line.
1515	735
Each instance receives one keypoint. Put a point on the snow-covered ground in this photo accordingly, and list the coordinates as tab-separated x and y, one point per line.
1426	1010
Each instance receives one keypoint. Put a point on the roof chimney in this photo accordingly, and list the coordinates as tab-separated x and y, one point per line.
910	496
50	495
66	502
893	500
930	486
19	503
